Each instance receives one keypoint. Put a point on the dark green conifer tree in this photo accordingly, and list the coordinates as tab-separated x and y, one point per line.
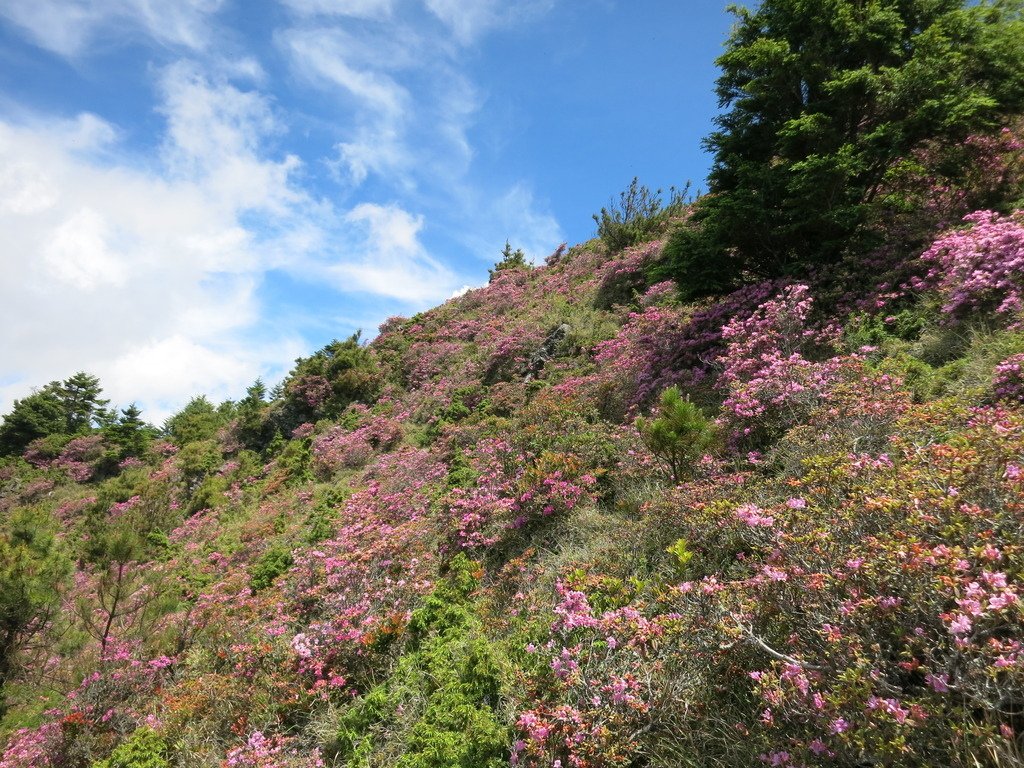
82	403
822	99
40	414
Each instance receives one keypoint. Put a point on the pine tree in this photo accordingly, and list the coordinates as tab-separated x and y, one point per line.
32	570
82	403
131	432
509	260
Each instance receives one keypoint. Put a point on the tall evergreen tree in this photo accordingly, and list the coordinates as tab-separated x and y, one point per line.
40	414
254	429
131	432
822	99
509	260
82	403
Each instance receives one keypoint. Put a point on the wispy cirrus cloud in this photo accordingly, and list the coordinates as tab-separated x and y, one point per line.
403	79
468	20
393	262
68	27
362	9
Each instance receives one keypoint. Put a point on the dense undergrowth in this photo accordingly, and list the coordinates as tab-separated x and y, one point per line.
565	520
467	551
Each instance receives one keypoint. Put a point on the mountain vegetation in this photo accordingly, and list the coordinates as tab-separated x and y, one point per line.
738	482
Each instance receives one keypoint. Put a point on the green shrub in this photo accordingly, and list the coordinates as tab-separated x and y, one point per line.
679	434
822	103
439	709
509	260
269	566
639	216
143	749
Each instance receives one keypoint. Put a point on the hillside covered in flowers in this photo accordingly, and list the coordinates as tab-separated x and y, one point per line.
607	510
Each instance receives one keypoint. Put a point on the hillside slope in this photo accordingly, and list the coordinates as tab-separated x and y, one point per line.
457	545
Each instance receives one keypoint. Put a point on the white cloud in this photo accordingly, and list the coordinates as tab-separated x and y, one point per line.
338	59
410	104
149	276
110	260
177	364
468	20
24	189
360	72
515	216
214	136
147	271
79	253
380	151
67	27
393	262
141	276
365	9
518	214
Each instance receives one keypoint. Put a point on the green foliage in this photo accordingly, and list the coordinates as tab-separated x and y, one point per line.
143	749
295	459
271	564
39	415
196	460
440	707
824	100
681	555
679	434
130	433
80	395
71	407
509	260
638	216
460	407
253	428
460	473
326	383
32	570
199	420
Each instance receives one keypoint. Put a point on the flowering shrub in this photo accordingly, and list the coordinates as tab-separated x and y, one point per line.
980	268
77	457
352	448
838	584
441	706
107	704
624	278
261	751
513	490
771	384
34	747
1008	379
599	689
990	170
636	364
354	592
876	629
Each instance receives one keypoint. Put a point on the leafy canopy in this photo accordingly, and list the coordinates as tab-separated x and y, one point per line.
822	99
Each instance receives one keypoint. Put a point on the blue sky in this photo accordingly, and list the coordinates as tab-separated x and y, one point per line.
196	192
